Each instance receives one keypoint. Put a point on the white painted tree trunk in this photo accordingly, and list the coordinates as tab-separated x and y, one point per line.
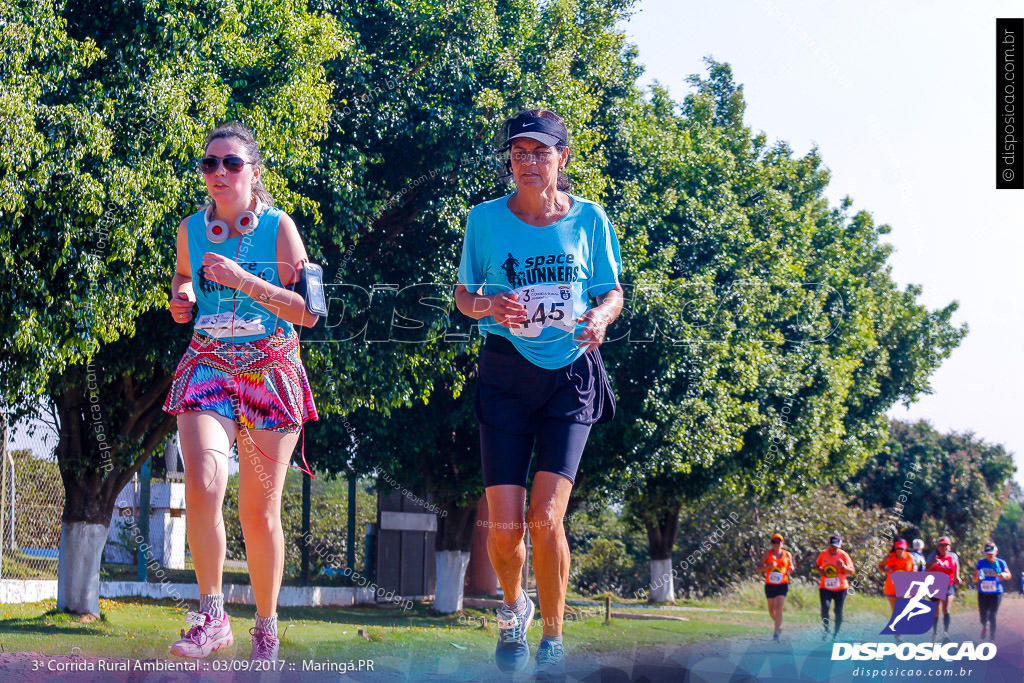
78	567
662	588
451	577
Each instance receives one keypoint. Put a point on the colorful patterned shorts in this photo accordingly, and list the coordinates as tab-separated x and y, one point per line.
263	381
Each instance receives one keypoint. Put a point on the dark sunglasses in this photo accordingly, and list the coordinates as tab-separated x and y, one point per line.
776	541
232	163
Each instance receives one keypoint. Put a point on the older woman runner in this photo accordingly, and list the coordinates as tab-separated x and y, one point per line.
240	379
531	263
989	574
917	554
777	564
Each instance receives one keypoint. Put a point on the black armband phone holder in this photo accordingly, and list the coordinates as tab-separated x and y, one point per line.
311	286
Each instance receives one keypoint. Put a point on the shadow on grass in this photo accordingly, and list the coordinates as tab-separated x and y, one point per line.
53	622
419	614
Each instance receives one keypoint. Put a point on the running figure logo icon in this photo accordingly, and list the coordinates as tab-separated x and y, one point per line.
914	612
509	266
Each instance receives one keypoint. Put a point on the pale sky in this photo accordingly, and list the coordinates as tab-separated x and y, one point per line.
899	98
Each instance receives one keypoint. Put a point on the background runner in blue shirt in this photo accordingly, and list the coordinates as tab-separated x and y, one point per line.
989	573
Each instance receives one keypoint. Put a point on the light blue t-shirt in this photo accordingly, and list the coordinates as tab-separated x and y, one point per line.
554	269
257	253
990	584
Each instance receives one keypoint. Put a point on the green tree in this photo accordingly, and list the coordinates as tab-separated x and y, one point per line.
723	538
108	104
938	484
781	338
1009	531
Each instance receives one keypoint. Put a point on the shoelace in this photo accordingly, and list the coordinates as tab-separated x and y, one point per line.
264	642
509	627
198	635
550	654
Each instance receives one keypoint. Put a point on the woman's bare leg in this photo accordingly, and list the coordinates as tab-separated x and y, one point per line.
206	439
260	483
549	498
505	546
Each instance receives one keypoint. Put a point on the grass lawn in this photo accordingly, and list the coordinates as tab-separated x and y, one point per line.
143	629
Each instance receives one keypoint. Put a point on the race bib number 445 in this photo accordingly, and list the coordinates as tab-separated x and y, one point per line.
546	306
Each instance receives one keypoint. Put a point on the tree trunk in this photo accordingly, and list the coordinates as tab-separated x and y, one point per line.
661	537
107	431
662	585
451	577
454	541
455	530
78	567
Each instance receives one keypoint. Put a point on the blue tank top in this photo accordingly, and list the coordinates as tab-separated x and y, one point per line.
256	253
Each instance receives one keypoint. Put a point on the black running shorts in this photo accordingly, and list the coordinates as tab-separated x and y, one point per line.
521	406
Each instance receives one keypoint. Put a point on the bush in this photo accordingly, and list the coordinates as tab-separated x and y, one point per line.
606	556
806	521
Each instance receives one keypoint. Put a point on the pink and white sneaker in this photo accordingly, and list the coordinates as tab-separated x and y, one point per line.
206	635
264	645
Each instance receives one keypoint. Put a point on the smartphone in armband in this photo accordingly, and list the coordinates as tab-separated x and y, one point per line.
313	289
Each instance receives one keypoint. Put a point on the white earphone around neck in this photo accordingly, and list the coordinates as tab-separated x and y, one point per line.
217	230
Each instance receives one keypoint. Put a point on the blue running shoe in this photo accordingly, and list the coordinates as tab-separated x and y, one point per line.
550	661
513	652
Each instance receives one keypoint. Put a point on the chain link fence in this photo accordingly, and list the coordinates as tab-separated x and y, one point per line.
32	502
327	538
32	496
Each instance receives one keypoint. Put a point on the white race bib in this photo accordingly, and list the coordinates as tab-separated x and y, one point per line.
988	586
775	577
832	583
546	306
220	325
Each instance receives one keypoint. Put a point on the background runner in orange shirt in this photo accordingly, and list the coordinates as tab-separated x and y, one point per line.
834	565
777	564
899	560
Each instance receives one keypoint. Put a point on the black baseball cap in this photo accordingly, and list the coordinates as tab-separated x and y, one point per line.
544	130
836	541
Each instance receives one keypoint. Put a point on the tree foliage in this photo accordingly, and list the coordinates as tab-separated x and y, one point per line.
1009	531
764	336
953	484
772	336
109	103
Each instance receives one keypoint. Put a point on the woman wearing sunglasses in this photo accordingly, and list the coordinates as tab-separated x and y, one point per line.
240	381
532	262
777	564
